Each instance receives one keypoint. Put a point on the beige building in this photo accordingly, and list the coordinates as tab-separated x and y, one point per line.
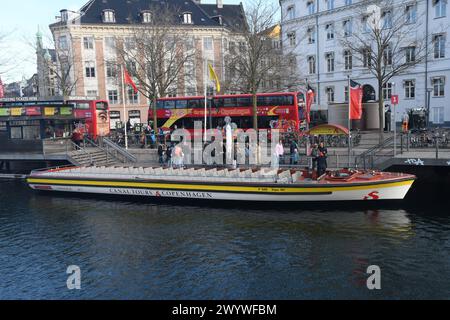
90	36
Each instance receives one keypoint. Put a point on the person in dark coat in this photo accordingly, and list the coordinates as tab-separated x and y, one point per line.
322	160
315	156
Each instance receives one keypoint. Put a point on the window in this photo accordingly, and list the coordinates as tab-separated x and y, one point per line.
187	18
110	43
311	7
410	53
438	115
312	64
130	44
365	24
109	16
330	31
90	69
387	56
311	32
146	17
132	96
346	93
92	93
208	43
63	45
330	94
439	46
410	89
88	43
113	97
330	4
291	12
411	13
438	86
348	28
330	61
292	38
348	60
387	19
348	2
367	58
387	91
440	7
111	70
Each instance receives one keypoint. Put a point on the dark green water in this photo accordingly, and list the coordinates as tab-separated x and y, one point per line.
131	250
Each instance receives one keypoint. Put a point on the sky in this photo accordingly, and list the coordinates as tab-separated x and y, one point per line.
19	20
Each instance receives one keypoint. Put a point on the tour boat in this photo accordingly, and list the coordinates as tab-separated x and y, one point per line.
260	185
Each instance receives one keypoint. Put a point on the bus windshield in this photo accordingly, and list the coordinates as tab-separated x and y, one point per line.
101	106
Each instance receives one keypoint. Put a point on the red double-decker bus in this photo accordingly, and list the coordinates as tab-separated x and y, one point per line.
96	115
283	111
90	114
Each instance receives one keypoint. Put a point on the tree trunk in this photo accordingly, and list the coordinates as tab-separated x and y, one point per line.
155	115
255	111
381	110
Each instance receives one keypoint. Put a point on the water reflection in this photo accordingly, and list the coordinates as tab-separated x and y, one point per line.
160	251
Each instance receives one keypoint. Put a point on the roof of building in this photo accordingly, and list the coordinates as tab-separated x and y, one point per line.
129	12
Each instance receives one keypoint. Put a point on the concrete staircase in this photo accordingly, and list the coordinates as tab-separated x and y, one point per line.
92	156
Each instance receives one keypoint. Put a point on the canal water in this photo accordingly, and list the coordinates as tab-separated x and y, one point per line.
140	250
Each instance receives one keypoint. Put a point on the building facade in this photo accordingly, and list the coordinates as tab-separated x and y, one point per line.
47	80
90	36
317	26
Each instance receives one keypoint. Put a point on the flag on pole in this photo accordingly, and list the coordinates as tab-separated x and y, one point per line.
310	94
2	90
356	95
213	77
128	80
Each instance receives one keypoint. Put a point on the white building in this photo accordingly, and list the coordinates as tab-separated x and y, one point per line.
315	27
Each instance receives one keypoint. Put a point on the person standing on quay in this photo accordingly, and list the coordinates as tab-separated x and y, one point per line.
322	160
294	152
315	156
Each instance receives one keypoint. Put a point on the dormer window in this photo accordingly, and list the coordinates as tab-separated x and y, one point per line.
146	17
109	16
187	18
64	15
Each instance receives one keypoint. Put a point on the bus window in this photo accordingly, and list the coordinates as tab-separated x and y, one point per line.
160	105
181	104
244	102
262	101
169	104
194	104
301	98
218	103
264	122
101	106
82	106
229	102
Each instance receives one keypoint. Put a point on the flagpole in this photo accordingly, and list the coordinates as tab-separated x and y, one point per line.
206	98
124	107
349	123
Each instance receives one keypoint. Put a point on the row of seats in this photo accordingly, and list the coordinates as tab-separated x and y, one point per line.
225	175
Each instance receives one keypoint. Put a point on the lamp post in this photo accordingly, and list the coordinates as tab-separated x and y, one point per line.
429	90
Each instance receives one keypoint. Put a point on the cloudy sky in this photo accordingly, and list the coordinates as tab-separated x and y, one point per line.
19	20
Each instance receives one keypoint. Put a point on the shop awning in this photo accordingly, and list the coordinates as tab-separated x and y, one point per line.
328	130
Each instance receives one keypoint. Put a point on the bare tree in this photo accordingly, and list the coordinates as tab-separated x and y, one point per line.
159	54
261	62
386	42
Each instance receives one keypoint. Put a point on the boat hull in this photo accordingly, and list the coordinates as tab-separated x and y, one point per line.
381	190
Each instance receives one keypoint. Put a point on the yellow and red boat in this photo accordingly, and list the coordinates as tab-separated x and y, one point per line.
261	185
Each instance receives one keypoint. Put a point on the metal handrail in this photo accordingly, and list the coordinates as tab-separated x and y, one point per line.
127	155
78	148
371	152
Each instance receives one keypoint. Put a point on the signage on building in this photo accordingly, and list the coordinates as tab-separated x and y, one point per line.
394	99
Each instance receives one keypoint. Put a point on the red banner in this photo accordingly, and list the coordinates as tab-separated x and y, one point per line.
356	95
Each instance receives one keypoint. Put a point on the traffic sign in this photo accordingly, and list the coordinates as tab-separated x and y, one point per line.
394	99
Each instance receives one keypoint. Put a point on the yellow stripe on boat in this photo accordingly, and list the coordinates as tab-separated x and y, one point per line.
261	189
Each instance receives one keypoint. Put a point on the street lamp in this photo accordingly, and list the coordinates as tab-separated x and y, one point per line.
429	90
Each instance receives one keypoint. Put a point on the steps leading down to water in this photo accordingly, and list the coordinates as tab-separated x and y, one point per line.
92	156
